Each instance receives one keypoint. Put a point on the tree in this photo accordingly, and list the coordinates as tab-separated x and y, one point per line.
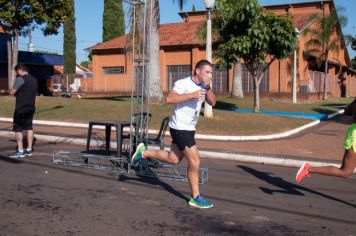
113	19
353	43
248	32
69	42
85	64
17	16
155	88
324	38
353	61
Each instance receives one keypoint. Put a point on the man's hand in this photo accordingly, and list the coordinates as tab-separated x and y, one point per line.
199	94
206	80
11	91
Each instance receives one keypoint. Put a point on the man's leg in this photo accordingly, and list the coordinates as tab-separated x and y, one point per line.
192	155
29	139
173	157
19	140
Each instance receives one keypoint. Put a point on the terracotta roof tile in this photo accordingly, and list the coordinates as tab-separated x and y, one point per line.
180	34
184	33
170	34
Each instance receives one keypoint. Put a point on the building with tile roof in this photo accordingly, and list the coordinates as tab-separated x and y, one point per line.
181	48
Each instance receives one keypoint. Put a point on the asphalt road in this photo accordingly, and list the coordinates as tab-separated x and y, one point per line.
40	198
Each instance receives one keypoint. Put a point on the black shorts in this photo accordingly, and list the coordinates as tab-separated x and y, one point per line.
183	138
23	120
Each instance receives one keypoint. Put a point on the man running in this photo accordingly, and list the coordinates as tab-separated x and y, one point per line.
187	94
25	89
349	159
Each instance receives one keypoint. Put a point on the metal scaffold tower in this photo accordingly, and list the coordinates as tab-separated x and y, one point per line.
138	45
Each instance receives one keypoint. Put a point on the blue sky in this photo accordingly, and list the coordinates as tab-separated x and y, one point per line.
89	23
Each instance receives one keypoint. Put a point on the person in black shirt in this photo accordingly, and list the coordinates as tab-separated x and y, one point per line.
25	90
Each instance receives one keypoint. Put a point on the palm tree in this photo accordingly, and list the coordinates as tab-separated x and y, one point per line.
153	13
325	38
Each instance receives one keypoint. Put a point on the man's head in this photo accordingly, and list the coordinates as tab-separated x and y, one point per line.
21	69
203	68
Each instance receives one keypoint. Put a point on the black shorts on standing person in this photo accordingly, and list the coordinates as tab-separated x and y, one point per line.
25	90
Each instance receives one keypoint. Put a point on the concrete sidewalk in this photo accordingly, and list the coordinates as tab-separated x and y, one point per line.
320	144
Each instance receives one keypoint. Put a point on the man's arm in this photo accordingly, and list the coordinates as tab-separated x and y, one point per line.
210	97
174	98
18	83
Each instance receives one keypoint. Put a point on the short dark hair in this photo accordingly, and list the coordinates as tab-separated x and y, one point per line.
202	63
21	67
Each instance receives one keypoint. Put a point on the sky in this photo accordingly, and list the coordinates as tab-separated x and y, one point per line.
89	23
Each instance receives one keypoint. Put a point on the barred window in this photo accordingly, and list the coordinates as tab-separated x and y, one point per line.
220	79
176	72
247	80
114	70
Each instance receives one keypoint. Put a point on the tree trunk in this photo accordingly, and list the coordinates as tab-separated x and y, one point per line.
14	56
325	79
9	61
256	97
236	90
154	77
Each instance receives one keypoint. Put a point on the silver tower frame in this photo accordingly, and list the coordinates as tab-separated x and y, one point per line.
140	100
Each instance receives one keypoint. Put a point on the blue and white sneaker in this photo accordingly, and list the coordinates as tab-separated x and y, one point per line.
200	202
137	156
28	152
18	154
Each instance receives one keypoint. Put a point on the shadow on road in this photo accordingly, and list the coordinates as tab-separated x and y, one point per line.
285	186
156	182
10	160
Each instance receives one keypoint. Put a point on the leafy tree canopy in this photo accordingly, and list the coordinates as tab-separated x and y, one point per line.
21	14
247	31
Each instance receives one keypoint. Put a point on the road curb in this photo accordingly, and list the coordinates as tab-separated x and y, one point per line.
277	161
197	136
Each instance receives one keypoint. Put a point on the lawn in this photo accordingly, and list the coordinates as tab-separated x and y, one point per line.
223	123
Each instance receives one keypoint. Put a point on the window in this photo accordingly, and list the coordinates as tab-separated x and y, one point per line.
117	70
220	79
176	72
247	80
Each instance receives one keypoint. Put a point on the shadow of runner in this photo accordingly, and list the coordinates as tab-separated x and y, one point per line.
152	181
286	187
11	160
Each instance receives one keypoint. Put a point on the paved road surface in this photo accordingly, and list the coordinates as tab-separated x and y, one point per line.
40	198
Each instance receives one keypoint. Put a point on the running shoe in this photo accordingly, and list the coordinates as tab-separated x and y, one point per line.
18	154
303	172
28	152
200	202
137	156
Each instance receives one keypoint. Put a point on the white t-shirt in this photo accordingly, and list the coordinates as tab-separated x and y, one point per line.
186	114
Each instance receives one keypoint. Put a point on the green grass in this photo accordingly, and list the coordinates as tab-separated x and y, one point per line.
223	123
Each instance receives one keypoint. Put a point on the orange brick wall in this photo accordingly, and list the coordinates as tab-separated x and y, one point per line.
108	82
280	72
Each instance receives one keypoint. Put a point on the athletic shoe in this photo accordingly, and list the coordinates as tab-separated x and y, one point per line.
18	154
302	172
137	156
200	202
28	152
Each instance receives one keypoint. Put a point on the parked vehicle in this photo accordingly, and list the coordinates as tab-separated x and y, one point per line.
58	88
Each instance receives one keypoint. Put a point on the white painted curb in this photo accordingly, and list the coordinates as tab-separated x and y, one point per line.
197	136
204	154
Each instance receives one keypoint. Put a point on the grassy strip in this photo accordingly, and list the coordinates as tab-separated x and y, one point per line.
223	123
